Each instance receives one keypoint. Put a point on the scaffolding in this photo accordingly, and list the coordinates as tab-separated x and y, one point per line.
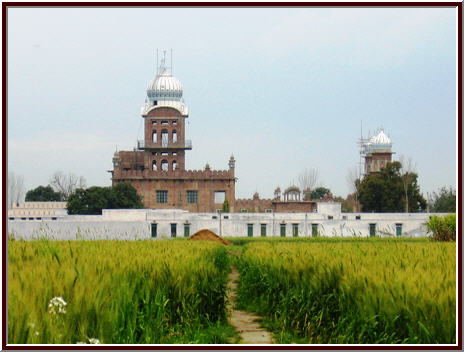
367	148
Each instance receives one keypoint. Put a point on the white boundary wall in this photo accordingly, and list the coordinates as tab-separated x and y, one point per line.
133	224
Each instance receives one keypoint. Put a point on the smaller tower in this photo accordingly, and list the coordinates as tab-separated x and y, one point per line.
232	162
277	194
377	152
116	159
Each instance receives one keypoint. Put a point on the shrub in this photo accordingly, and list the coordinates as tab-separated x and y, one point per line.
442	228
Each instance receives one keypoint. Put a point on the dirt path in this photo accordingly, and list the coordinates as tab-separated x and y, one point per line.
250	331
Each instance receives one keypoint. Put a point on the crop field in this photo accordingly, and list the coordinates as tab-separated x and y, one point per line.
117	292
174	291
357	291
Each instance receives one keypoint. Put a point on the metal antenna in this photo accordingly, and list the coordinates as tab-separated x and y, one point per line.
157	67
164	57
171	61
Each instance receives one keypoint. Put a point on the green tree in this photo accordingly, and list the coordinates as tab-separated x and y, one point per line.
77	202
124	196
43	194
416	203
319	192
444	201
88	201
92	200
225	206
383	192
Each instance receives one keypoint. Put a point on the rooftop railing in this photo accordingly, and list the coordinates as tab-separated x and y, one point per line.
147	144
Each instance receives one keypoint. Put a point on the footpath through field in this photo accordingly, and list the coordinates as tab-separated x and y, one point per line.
245	323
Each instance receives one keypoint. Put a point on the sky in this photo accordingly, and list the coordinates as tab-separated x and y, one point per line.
282	89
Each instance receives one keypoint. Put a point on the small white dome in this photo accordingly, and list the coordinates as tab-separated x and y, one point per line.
380	138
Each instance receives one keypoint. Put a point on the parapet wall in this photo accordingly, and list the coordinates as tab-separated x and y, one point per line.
253	205
176	174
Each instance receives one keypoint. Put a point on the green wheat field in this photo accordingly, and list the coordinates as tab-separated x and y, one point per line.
318	291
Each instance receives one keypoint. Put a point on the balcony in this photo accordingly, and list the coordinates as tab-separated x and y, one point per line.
144	144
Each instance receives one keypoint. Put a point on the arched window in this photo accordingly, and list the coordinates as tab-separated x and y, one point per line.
164	165
174	165
154	137
155	168
174	136
164	138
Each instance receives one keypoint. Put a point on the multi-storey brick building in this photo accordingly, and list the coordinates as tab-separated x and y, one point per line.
157	167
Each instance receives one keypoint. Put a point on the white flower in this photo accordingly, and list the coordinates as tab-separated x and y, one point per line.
94	341
37	333
57	305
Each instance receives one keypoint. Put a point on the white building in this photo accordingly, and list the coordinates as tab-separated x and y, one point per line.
37	210
132	224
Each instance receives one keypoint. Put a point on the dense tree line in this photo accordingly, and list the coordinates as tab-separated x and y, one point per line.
444	201
92	200
385	192
60	187
43	194
319	193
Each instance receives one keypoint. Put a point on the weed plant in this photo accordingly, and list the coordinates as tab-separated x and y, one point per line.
352	292
117	292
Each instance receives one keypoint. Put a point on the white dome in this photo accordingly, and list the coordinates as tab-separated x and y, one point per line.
165	87
164	91
380	138
165	83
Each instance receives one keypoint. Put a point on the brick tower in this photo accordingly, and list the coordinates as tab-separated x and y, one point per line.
164	113
377	152
157	167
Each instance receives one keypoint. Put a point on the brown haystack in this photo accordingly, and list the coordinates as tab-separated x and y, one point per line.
208	235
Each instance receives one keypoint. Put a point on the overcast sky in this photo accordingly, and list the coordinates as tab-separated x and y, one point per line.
280	89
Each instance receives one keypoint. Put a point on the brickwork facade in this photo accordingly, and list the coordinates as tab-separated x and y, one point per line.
257	205
254	205
295	207
376	161
157	169
192	190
